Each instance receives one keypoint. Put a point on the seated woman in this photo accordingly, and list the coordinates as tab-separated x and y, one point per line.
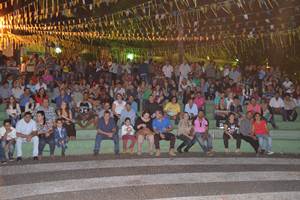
45	133
185	132
231	132
13	111
127	133
30	106
66	115
261	131
40	96
172	108
143	127
221	112
117	106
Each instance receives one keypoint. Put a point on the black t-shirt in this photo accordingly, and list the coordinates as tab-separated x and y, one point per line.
232	128
140	121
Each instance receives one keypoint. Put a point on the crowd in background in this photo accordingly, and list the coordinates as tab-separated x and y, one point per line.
50	97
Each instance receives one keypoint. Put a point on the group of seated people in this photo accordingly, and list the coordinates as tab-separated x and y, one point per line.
153	127
44	107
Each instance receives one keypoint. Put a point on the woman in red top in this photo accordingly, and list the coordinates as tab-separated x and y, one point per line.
261	131
40	96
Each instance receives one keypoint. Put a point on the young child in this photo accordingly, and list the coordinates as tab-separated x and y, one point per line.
8	140
60	136
128	134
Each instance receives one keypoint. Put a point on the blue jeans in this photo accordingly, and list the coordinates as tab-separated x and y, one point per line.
204	142
100	137
265	142
2	153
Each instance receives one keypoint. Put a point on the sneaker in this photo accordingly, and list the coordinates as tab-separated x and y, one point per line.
238	151
270	153
179	150
19	159
35	158
4	162
226	150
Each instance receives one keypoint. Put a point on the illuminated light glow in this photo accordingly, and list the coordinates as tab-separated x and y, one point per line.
57	50
237	60
130	56
207	57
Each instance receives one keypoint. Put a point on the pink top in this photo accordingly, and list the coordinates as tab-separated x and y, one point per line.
254	109
200	126
199	101
48	78
260	128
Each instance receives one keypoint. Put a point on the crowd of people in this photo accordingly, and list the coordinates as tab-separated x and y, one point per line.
141	101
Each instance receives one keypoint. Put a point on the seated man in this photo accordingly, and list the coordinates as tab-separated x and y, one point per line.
8	136
236	107
162	128
191	108
85	115
106	130
290	112
277	105
27	132
246	130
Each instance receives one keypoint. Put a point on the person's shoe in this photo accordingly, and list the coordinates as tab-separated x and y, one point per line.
172	153
238	151
186	150
179	150
36	158
209	153
157	154
4	162
270	153
226	150
151	153
19	159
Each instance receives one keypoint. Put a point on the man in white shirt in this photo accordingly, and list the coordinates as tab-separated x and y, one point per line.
7	136
168	70
191	108
184	70
277	105
27	132
40	85
288	85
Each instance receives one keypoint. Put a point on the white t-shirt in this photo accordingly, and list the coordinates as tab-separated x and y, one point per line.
26	128
168	70
11	135
276	103
38	86
184	70
127	129
119	106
